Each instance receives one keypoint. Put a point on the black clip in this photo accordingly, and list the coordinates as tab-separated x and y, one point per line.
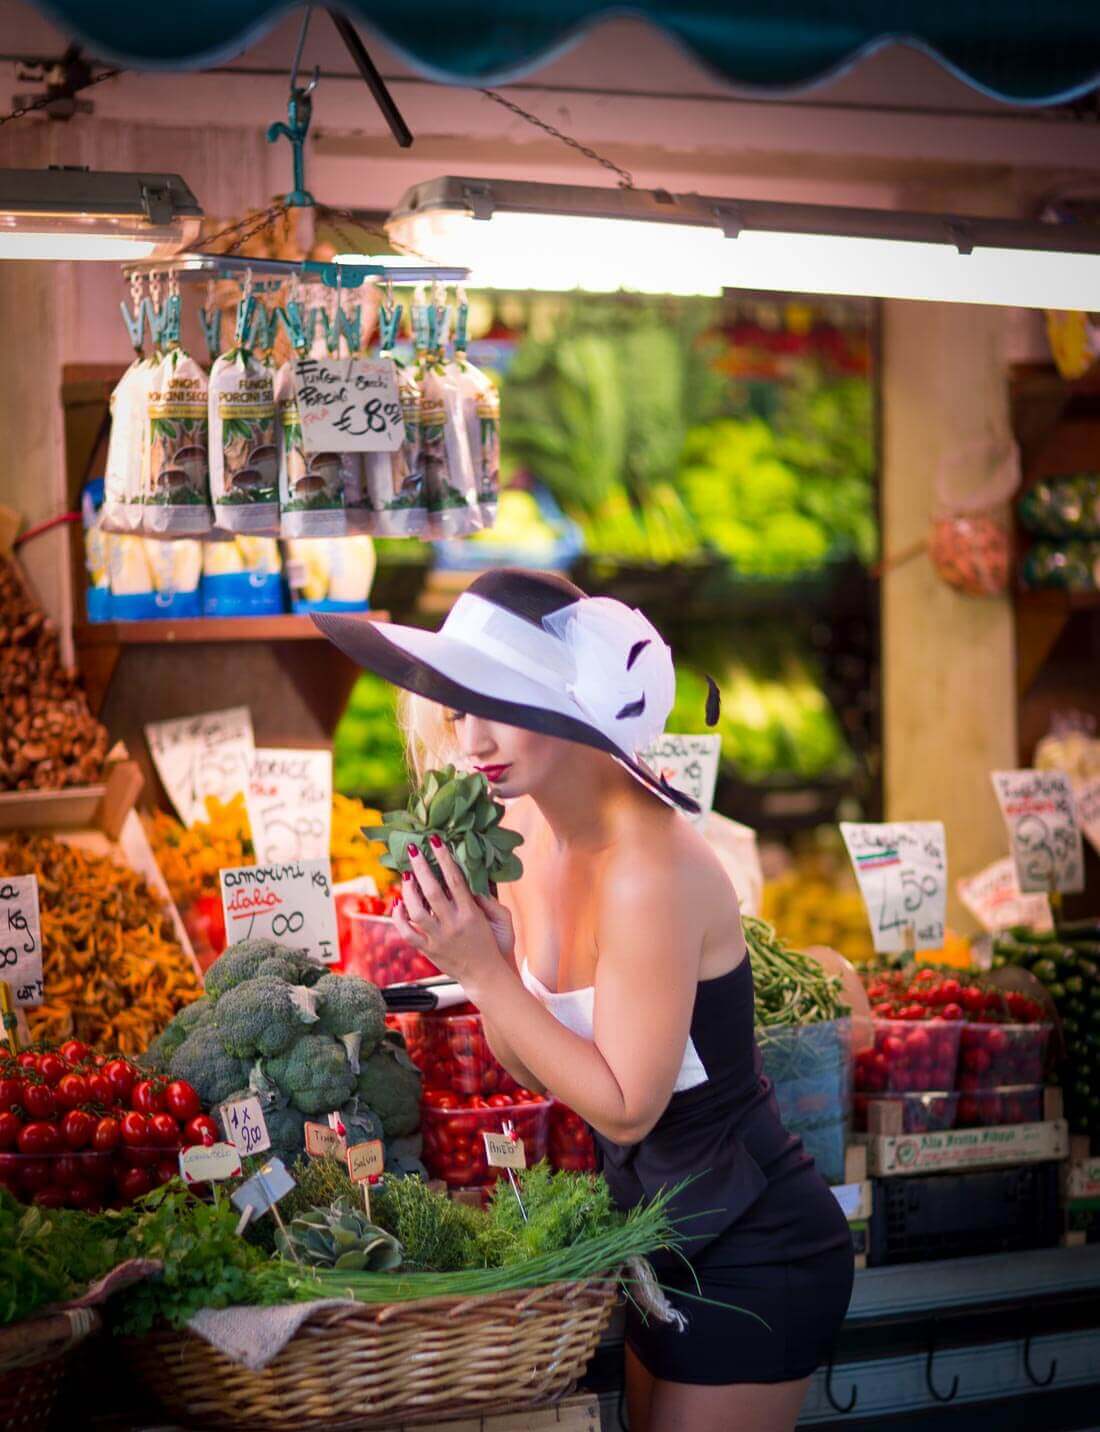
833	1403
939	1396
1037	1381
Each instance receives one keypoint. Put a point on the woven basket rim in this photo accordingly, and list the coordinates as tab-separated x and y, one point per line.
51	1335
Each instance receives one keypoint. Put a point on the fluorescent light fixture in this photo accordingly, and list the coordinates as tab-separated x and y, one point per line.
514	234
81	214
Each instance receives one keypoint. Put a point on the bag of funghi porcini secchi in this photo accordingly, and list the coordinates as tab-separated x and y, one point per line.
244	456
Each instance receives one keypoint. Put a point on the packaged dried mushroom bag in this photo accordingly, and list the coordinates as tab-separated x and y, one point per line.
244	456
481	410
176	486
393	482
123	509
315	489
449	477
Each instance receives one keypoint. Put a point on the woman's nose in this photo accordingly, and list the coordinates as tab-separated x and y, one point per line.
477	739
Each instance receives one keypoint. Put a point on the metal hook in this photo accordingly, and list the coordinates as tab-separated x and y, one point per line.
939	1396
833	1403
1051	1371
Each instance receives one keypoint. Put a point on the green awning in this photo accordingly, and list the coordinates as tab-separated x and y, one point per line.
1023	51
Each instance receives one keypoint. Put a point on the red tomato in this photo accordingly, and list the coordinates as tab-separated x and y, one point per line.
50	1197
38	1100
77	1128
181	1101
953	1011
972	999
71	1091
166	1169
525	1096
74	1052
122	1075
66	1168
39	1138
499	1101
132	1183
200	1130
99	1088
11	1089
147	1096
135	1129
82	1193
10	1124
107	1134
163	1130
439	1099
28	1060
52	1067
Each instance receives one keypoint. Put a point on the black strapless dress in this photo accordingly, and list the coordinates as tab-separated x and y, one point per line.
762	1230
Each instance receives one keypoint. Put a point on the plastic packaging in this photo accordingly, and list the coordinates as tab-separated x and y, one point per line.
810	1067
393	502
571	1145
454	1149
450	479
999	1054
457	1056
910	1055
330	575
371	948
1063	507
244	456
176	569
242	578
122	507
176	481
929	1112
97	596
481	413
1005	1104
312	488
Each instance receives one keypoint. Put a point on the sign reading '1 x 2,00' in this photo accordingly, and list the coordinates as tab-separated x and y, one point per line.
291	904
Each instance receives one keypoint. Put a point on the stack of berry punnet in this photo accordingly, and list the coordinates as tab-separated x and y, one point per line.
370	945
951	1051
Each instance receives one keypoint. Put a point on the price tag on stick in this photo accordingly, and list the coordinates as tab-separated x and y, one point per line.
366	1162
690	763
290	903
290	801
21	939
901	867
348	405
245	1126
209	1163
323	1142
1040	813
506	1151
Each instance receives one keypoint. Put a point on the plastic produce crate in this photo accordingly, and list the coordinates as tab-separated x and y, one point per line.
810	1066
994	1055
916	1220
454	1149
910	1056
922	1113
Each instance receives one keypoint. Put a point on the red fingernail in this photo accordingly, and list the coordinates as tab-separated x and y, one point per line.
414	851
406	875
436	841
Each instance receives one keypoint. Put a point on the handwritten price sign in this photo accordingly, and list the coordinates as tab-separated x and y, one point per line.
291	903
690	763
245	1126
349	405
1088	811
901	867
21	939
1040	812
290	801
200	756
993	897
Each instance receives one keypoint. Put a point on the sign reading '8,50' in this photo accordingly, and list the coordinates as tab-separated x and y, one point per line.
901	867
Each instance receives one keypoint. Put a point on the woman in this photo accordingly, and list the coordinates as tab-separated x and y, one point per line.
615	976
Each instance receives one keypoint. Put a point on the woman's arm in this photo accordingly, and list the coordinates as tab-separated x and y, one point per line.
646	978
507	1056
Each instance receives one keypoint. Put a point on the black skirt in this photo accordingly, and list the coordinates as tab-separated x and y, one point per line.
799	1307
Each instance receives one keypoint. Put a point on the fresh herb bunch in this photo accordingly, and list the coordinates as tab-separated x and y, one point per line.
437	1234
562	1208
462	812
791	988
48	1256
340	1236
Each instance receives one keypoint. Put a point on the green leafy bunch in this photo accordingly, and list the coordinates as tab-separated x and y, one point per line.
340	1236
460	810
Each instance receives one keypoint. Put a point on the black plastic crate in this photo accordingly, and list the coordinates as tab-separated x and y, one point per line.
915	1220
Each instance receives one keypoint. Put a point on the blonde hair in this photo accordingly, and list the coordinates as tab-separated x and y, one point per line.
429	741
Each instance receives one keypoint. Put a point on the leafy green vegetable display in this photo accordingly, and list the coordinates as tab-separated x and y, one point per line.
341	1237
790	987
367	752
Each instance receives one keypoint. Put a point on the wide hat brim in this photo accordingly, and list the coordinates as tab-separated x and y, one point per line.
453	674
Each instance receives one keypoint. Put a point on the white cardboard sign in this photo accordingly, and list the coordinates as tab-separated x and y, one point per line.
290	803
993	897
200	756
349	405
21	939
901	867
504	1151
245	1126
209	1163
1088	811
264	1189
289	902
690	763
1040	813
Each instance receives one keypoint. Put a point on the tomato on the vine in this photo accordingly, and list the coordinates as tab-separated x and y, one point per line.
99	1088
27	1060
122	1075
77	1128
163	1130
147	1096
38	1100
166	1169
133	1182
39	1137
11	1089
135	1129
10	1124
71	1091
52	1067
106	1135
74	1051
181	1101
66	1168
200	1130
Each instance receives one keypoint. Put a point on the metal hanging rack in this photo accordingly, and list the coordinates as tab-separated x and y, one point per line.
333	275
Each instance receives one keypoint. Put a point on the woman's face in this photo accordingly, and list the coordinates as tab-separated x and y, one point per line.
515	762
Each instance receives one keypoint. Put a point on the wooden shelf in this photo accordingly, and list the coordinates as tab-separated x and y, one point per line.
1041	618
203	630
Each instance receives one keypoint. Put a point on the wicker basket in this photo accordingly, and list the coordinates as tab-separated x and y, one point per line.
374	1365
32	1364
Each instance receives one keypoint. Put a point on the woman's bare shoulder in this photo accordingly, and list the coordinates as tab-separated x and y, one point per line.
665	853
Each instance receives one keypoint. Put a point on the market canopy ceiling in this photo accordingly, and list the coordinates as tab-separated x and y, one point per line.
1017	50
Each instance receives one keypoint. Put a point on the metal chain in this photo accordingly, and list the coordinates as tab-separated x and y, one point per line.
44	101
626	179
245	229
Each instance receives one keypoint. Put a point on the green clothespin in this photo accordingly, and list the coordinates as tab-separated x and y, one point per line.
295	326
299	112
389	321
246	310
170	322
210	319
349	324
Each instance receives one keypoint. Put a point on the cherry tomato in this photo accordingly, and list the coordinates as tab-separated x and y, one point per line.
77	1128
107	1134
74	1052
71	1091
439	1099
181	1101
10	1167
28	1060
99	1088
39	1138
122	1075
66	1168
132	1183
147	1096
50	1197
11	1089
52	1068
499	1101
163	1130
10	1124
200	1130
953	1011
39	1100
135	1129
82	1193
166	1169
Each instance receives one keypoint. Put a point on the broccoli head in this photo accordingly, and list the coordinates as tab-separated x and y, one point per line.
390	1083
261	1016
292	967
239	963
160	1052
201	1060
314	1073
360	1123
350	1005
403	1157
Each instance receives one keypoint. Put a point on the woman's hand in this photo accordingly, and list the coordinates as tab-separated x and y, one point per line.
468	937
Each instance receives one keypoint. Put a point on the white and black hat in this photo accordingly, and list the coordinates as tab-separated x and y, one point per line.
529	649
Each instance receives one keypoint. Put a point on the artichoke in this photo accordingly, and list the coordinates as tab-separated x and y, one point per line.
462	812
340	1236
